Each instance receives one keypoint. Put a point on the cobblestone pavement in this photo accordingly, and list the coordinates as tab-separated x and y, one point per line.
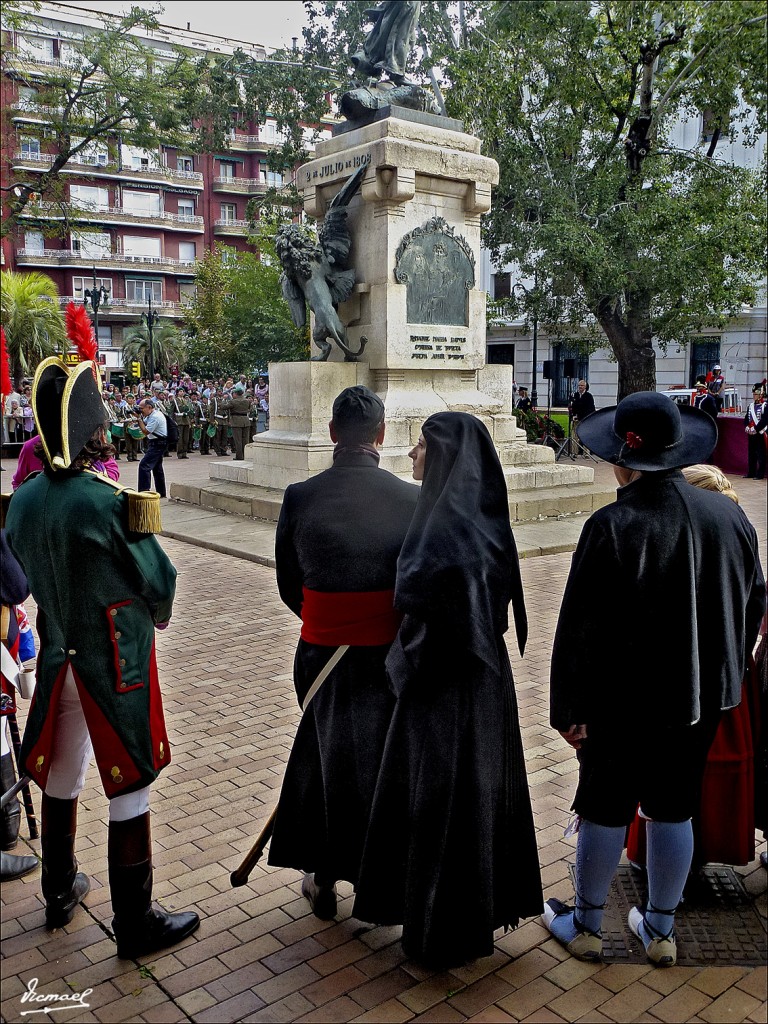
260	955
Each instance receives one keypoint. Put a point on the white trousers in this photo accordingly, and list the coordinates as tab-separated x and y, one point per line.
72	752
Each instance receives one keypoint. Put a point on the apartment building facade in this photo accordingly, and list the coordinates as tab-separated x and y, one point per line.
143	218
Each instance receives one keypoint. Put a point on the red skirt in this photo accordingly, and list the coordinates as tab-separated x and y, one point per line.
725	828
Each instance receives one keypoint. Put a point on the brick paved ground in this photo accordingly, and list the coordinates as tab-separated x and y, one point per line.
260	955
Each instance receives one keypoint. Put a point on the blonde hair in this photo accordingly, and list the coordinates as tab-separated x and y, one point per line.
711	479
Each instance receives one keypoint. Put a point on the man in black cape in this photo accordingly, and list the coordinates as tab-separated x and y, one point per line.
637	683
336	548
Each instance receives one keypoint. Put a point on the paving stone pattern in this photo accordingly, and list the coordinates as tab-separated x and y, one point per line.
260	955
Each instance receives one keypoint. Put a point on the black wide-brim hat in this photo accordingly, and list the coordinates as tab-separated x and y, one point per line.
649	432
68	408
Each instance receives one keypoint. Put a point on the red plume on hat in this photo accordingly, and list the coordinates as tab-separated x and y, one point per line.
80	333
6	384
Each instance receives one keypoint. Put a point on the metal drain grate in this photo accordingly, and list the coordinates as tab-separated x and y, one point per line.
718	924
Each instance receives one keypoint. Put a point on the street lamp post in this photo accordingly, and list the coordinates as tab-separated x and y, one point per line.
150	318
97	297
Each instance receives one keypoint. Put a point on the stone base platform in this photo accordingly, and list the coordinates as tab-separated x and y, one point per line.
536	496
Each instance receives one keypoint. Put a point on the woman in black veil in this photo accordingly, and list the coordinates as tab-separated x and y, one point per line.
451	849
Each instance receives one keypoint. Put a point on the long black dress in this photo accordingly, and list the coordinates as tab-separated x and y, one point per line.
451	850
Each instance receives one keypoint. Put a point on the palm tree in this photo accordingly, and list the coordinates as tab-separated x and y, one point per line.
34	326
167	347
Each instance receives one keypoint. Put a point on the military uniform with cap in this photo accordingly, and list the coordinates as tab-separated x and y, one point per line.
756	429
238	407
102	584
336	549
637	685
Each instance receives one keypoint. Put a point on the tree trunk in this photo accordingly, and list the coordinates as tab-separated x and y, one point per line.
632	345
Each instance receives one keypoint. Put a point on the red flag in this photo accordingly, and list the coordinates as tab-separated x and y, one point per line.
6	384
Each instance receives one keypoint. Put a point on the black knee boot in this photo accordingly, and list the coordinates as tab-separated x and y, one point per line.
12	811
63	885
139	927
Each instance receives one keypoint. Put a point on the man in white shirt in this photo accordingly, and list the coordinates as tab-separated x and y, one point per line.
152	424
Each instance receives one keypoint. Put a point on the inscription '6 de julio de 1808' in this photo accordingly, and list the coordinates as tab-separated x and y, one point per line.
438	269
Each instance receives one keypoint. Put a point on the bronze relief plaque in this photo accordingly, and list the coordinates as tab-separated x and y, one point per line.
438	268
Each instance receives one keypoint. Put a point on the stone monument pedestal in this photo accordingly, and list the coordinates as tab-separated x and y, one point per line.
416	310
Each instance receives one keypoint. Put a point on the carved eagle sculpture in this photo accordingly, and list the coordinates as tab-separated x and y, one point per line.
314	273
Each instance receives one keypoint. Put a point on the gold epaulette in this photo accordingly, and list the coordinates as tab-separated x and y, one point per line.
5	501
144	514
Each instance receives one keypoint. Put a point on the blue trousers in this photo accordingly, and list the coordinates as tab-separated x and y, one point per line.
152	465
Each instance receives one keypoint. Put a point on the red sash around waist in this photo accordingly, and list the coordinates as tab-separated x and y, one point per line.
361	619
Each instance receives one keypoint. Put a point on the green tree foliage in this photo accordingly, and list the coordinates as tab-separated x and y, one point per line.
110	84
632	234
34	327
168	347
581	103
238	320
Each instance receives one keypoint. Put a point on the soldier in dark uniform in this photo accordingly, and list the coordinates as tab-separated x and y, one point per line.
336	550
102	584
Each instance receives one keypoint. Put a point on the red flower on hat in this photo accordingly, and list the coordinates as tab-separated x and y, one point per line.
634	440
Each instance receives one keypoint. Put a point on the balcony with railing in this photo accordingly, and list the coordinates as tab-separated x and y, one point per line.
104	260
156	175
119	306
25	109
225	226
241	186
248	143
112	215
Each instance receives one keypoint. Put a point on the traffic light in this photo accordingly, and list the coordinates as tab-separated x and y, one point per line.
136	368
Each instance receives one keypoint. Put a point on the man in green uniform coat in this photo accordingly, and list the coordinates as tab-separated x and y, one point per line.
239	407
102	584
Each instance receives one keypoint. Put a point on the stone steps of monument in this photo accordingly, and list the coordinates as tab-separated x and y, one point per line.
549	475
230	496
525	503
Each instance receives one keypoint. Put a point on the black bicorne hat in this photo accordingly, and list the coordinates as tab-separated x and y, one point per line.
67	401
649	432
68	408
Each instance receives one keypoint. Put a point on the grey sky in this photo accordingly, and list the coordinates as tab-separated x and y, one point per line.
270	22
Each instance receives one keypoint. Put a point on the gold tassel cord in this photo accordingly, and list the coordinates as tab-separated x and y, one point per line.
144	512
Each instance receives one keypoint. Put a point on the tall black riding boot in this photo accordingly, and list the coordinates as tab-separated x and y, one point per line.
63	885
139	927
11	819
